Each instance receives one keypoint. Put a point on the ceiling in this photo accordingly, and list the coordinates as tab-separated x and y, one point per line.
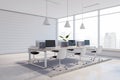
56	8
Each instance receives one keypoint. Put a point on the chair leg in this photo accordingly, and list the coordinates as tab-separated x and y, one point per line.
59	63
54	54
94	57
79	60
33	58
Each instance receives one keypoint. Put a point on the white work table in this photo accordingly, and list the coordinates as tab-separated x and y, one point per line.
45	53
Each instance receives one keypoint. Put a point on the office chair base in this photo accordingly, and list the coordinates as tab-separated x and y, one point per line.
60	68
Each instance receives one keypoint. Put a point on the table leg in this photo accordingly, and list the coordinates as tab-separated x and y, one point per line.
29	59
45	59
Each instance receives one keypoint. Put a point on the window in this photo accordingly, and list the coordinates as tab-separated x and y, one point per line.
91	30
110	10
110	33
109	27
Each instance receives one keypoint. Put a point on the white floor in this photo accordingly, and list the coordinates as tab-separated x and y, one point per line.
10	70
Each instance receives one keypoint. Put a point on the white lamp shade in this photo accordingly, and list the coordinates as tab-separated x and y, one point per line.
46	22
82	26
67	24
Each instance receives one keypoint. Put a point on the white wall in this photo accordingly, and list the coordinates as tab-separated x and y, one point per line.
19	31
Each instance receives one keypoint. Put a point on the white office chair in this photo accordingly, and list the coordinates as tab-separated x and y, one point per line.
83	55
70	53
83	51
79	52
60	56
98	51
34	53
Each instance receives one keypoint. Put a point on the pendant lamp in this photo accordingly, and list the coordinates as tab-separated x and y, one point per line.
67	24
46	22
82	24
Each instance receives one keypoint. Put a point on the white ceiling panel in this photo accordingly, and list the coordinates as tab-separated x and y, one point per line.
56	8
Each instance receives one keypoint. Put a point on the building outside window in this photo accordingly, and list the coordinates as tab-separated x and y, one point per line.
109	27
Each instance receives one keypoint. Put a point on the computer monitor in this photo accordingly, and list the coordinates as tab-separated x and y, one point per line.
64	44
71	42
41	44
80	43
86	42
50	43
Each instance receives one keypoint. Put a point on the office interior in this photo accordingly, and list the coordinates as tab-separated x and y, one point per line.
23	26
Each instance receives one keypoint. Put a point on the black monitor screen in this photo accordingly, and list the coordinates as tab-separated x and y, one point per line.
50	43
71	43
86	42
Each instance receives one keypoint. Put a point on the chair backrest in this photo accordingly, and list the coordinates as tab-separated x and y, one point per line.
61	54
80	43
99	50
83	51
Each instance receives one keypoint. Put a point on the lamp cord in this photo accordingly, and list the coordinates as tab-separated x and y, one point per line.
46	7
67	9
82	11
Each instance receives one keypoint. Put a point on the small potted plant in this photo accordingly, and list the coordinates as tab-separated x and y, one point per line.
65	39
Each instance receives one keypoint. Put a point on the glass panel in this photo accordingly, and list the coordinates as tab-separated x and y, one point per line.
62	31
110	33
89	33
64	19
110	10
